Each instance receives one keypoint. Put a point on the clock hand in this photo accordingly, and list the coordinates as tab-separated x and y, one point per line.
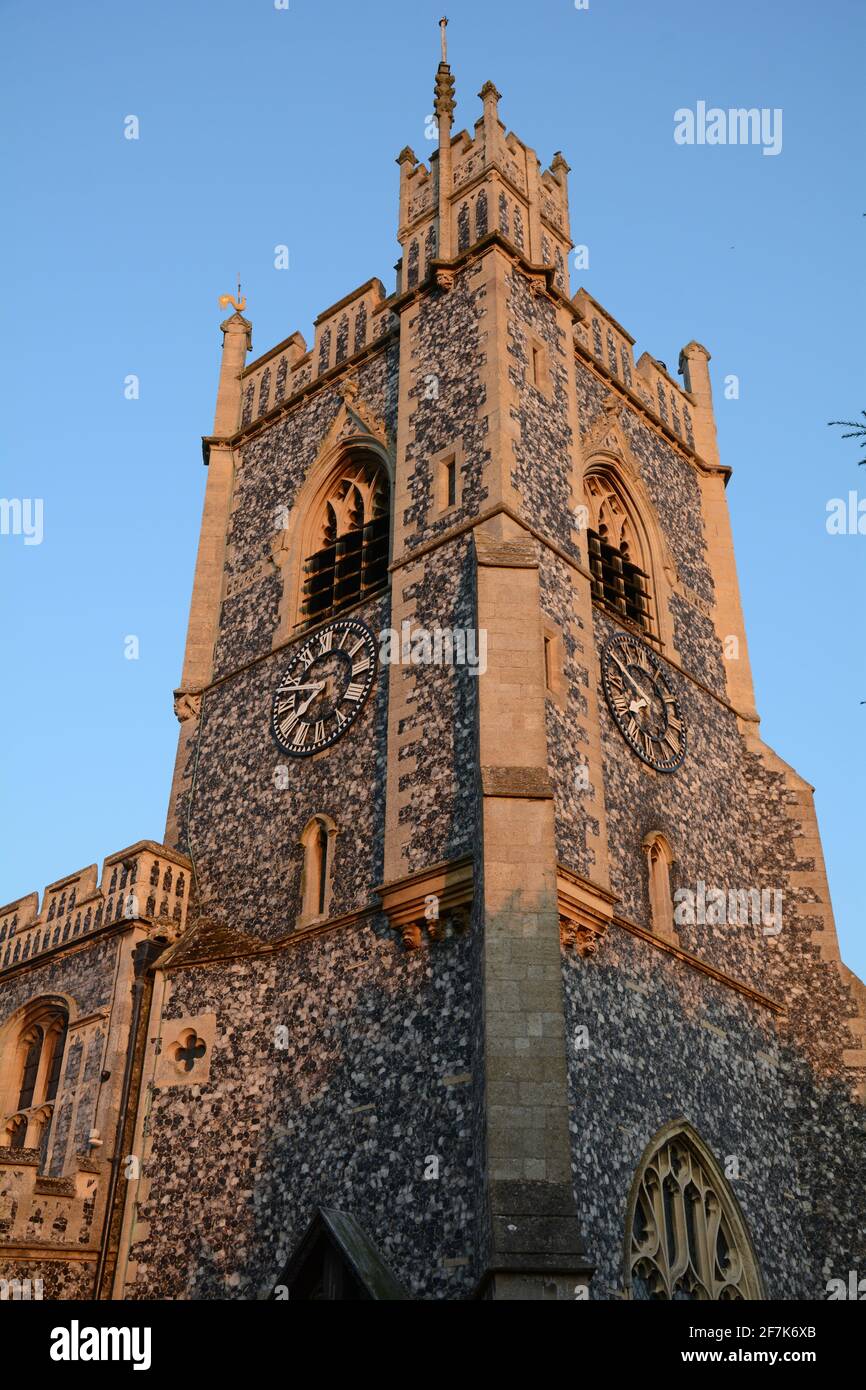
301	709
290	689
631	680
637	704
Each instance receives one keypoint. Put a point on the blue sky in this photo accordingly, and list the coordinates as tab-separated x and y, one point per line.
261	126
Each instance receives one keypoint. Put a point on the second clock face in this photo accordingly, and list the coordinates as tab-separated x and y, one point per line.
325	687
642	702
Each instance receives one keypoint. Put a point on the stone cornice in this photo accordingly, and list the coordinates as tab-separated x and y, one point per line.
237	946
405	902
703	966
33	1250
586	910
435	900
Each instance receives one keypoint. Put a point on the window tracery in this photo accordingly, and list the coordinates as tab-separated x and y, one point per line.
349	560
30	1072
685	1237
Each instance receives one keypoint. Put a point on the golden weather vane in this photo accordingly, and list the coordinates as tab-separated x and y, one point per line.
239	303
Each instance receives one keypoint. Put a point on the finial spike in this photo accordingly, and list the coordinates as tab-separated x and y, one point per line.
444	103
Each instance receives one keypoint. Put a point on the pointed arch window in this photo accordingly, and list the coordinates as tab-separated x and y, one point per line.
617	560
29	1080
685	1235
660	861
317	842
349	559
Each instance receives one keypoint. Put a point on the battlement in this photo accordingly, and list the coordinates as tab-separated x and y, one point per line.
341	331
599	334
492	182
475	187
146	882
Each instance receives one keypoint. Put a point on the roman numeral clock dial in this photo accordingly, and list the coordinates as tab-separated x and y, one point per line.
643	705
325	687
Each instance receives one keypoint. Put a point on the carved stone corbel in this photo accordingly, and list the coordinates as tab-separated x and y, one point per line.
410	933
436	928
434	903
585	912
187	704
582	936
460	918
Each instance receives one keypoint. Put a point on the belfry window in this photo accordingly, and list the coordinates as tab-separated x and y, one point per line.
685	1236
350	559
619	577
616	581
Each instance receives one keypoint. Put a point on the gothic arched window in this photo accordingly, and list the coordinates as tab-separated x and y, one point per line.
685	1235
617	560
30	1070
317	842
349	559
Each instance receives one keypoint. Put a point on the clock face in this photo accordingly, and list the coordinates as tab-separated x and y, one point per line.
642	702
325	687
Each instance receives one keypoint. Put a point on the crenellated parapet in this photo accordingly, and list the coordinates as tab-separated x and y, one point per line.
597	335
146	883
341	332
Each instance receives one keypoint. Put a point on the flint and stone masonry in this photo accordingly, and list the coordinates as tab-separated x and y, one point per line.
467	1100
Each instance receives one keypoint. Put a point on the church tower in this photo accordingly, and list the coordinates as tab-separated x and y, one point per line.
515	947
509	968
